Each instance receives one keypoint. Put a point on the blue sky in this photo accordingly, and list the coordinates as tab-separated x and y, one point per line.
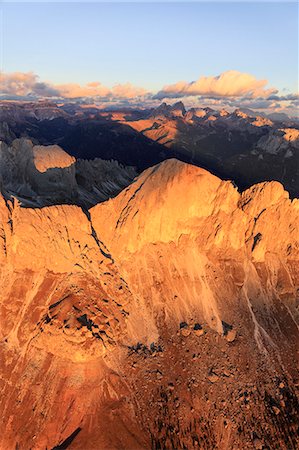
151	44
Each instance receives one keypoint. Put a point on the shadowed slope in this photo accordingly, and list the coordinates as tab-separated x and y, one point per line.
46	175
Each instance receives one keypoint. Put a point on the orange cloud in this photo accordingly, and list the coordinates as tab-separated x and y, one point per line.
24	84
231	89
96	89
127	91
73	90
28	84
229	84
17	83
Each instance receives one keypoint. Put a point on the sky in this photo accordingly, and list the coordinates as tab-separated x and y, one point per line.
151	45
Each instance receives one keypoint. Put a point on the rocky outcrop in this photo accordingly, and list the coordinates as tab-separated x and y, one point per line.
45	175
200	253
291	135
175	199
165	317
34	171
262	122
63	310
51	157
284	141
187	209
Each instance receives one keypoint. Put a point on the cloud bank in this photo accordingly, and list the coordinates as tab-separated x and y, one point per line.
28	85
25	84
229	84
231	89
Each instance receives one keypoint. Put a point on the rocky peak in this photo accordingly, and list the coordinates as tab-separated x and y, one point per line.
290	134
174	198
178	109
163	109
30	170
262	121
241	114
175	110
51	157
223	113
45	175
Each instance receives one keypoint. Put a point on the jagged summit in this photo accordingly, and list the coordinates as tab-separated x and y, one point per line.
175	198
164	109
178	109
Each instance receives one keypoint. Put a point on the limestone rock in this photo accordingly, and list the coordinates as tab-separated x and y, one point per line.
79	289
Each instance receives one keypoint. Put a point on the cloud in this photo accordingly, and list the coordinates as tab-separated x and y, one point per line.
254	103
286	98
229	84
230	90
73	90
25	85
127	91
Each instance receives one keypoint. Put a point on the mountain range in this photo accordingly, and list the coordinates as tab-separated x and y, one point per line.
242	146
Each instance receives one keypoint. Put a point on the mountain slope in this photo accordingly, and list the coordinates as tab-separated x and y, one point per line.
163	318
222	291
247	149
63	312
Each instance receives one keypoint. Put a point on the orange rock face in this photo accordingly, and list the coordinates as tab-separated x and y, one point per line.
51	156
290	134
163	318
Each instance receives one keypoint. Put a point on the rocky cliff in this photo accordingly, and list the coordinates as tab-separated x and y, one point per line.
166	317
40	175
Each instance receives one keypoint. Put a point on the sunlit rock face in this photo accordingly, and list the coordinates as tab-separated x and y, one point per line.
291	135
163	318
63	310
190	225
208	260
284	141
51	157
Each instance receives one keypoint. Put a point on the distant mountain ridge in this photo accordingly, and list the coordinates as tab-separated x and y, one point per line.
240	145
